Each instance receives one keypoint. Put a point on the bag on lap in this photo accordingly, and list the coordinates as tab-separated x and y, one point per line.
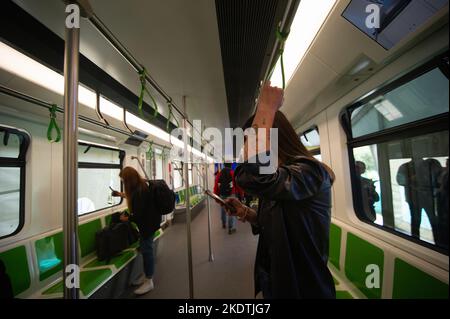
111	240
114	238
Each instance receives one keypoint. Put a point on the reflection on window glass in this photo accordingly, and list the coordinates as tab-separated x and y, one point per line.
12	147
403	185
311	140
9	199
98	170
420	98
177	177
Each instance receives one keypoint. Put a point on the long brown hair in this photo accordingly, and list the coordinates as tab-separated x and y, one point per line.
289	144
133	184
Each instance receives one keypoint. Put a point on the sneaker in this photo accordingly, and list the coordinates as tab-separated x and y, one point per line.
146	286
231	231
139	281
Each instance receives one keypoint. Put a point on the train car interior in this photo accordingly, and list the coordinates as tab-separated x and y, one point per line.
90	87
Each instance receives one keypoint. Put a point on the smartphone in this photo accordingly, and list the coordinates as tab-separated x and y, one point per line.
220	200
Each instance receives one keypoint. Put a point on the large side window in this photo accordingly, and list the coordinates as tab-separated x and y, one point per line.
13	148
98	169
311	139
398	146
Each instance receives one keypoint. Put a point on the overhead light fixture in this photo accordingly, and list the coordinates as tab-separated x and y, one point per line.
309	18
25	67
110	108
31	70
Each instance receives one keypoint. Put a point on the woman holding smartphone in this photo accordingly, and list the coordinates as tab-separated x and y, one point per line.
142	211
294	213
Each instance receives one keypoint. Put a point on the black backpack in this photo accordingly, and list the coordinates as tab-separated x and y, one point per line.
114	238
225	182
164	197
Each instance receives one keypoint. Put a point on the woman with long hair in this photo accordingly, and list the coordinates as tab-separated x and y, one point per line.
294	212
142	211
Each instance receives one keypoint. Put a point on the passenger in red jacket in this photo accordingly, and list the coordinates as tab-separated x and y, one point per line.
225	187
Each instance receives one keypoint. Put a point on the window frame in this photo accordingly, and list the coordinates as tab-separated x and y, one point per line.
89	165
19	162
432	124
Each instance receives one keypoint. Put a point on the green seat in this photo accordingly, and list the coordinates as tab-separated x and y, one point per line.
49	253
118	261
89	281
86	235
342	294
16	266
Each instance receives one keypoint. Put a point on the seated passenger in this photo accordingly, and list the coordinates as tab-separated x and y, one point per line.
294	213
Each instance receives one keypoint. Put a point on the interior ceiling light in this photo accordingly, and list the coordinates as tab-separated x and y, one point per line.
310	16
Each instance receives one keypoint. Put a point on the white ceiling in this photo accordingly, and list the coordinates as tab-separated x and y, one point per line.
324	74
177	41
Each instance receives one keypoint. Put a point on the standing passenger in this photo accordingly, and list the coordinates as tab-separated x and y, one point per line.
294	213
368	192
141	205
225	187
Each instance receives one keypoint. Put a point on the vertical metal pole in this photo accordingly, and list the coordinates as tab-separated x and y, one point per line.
187	201
206	182
70	158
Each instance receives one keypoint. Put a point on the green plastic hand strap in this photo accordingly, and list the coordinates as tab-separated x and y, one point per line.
144	90
53	126
282	37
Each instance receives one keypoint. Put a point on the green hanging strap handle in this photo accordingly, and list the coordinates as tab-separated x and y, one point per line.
170	116
282	37
144	90
53	126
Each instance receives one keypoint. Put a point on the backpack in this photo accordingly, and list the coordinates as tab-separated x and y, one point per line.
114	238
225	182
165	198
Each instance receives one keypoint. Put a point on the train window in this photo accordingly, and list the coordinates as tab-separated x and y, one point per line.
311	139
177	177
98	169
13	147
398	144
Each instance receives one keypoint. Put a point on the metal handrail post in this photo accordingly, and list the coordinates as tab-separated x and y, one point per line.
70	163
206	182
188	205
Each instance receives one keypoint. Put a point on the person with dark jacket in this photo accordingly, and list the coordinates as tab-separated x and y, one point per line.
225	186
294	213
141	206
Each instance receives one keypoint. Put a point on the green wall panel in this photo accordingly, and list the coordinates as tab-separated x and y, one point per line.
16	266
335	245
359	255
411	282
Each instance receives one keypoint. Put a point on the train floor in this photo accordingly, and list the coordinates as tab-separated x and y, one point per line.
230	275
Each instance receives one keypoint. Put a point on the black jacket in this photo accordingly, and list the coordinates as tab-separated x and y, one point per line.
145	213
293	223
